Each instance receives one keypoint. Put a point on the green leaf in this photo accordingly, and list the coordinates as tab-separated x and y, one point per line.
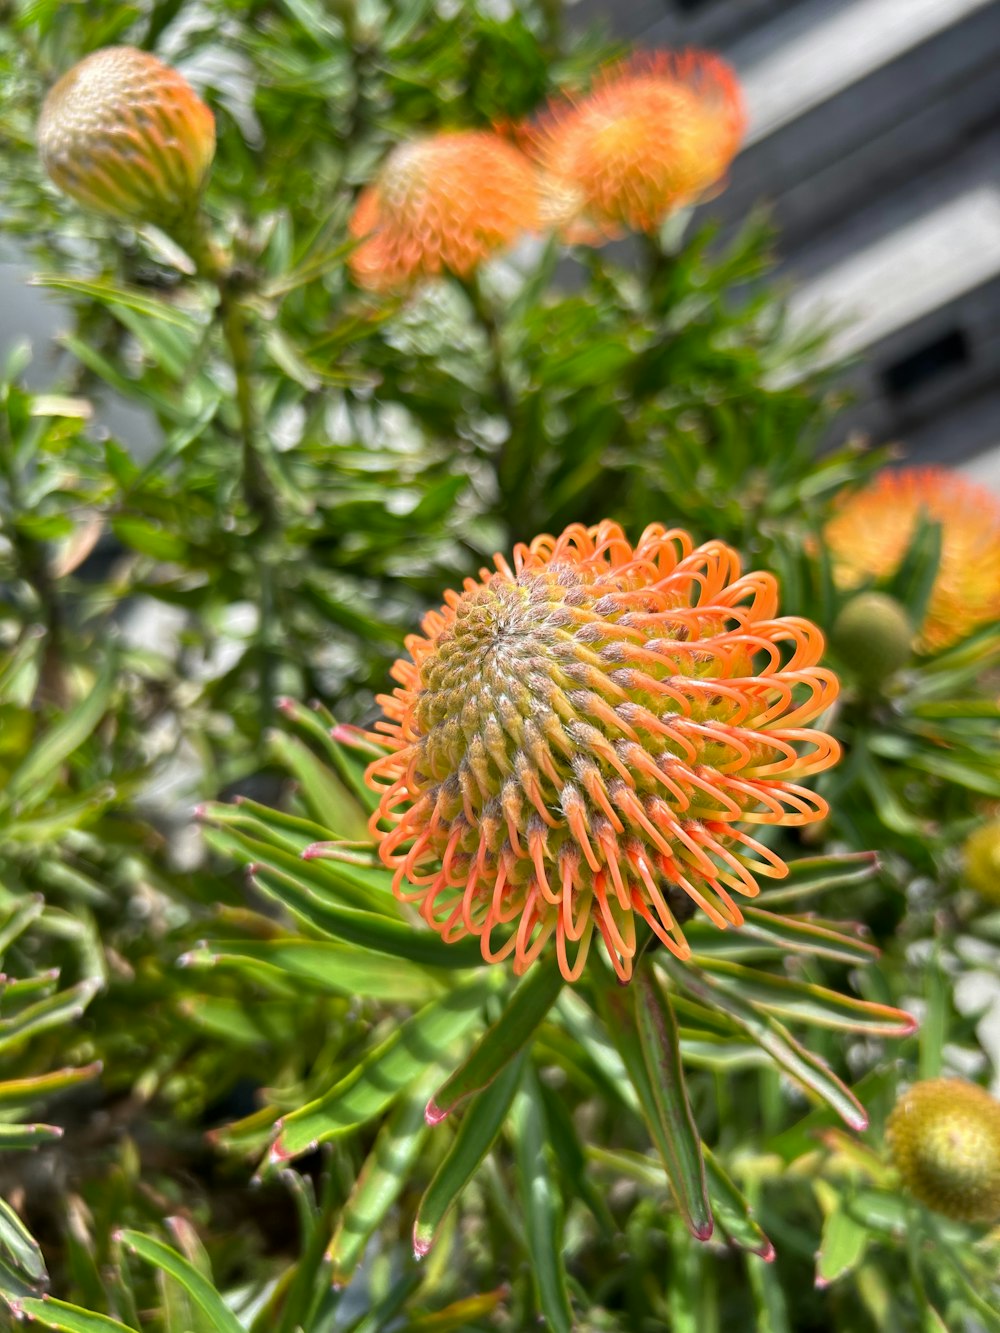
31	780
328	799
381	1180
804	1002
541	1205
321	965
149	538
20	1246
198	1287
788	1054
66	1318
814	874
16	1137
802	935
366	888
376	1081
53	1012
641	1024
20	917
842	1245
913	581
509	1035
395	938
732	1210
22	1091
481	1123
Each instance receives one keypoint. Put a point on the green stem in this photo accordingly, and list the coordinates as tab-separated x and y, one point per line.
214	266
509	462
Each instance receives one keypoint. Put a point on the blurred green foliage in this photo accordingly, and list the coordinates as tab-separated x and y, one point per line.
153	610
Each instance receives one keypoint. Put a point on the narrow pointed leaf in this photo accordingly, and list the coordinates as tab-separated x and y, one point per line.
842	1245
814	874
788	1054
376	1081
14	1137
380	933
732	1210
510	1034
37	770
541	1204
19	1245
481	1123
358	892
197	1286
641	1024
802	935
19	919
804	1002
329	801
50	1313
397	1148
320	965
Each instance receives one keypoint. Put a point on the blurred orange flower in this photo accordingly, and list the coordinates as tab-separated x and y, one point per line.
124	134
442	204
872	530
656	133
578	736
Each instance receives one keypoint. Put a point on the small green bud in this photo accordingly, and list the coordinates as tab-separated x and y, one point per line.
872	636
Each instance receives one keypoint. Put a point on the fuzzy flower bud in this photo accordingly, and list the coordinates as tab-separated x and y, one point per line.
656	133
944	1136
443	203
580	736
124	134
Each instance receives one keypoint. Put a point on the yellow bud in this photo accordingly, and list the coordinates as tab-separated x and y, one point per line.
126	135
944	1135
982	860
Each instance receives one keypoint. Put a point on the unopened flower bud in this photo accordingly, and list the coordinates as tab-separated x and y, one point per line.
944	1135
126	135
873	636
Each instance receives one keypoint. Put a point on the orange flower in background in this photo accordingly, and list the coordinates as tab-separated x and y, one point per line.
870	533
124	134
656	133
579	736
442	204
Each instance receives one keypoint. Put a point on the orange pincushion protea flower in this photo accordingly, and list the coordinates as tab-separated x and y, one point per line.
872	530
124	134
442	203
655	134
579	735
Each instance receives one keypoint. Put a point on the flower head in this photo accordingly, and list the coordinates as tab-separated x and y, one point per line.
442	203
982	860
579	735
871	531
656	133
944	1136
124	134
